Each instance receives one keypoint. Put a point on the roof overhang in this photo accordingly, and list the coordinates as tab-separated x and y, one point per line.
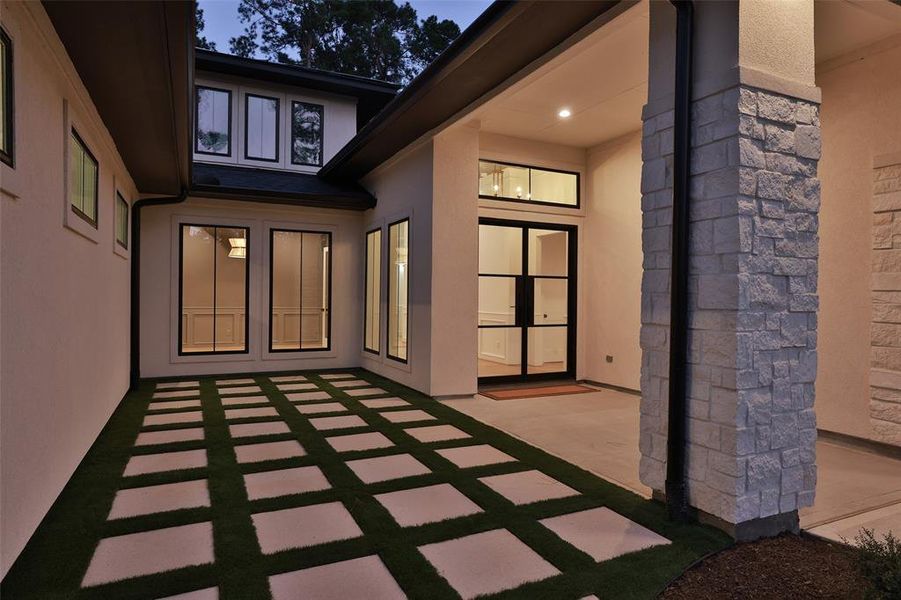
503	41
136	60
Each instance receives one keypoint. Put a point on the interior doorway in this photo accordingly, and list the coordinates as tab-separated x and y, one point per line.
527	301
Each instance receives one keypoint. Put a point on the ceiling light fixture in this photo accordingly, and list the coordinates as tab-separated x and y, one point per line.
564	113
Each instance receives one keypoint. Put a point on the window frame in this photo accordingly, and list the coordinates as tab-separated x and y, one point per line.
120	243
197	88
278	125
80	213
388	283
377	293
8	152
290	123
328	346
576	206
181	264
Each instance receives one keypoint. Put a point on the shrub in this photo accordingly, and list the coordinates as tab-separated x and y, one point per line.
880	563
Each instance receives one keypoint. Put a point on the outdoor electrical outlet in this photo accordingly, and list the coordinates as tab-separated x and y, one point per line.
609	359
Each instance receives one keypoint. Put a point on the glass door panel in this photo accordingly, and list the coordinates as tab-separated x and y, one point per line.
547	350
500	351
500	250
550	301
497	300
548	252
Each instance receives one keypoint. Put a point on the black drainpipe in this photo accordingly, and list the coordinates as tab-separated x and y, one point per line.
135	353
676	498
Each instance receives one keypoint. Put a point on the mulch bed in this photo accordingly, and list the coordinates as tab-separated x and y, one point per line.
788	566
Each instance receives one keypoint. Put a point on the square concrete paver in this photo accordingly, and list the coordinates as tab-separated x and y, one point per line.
385	468
244	413
159	498
166	461
244	400
177	385
250	453
169	435
437	433
250	429
304	396
430	504
384	402
359	441
528	486
304	526
167	404
342	422
227	382
194	416
177	394
293	387
602	533
365	392
324	407
337	376
204	594
150	552
487	562
365	577
231	391
407	416
287	378
475	456
284	482
351	383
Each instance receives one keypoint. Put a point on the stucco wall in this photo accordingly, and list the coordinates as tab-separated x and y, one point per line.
860	120
64	298
159	286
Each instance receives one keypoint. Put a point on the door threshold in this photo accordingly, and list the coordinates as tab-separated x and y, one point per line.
515	385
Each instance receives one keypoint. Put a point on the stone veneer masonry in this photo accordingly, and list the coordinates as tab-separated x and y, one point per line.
753	302
885	329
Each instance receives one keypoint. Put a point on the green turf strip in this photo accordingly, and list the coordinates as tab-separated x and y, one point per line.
55	560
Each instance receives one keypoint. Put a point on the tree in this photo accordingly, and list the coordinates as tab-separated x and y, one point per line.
378	38
200	41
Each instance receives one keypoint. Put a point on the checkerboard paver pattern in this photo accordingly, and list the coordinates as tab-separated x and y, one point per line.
322	461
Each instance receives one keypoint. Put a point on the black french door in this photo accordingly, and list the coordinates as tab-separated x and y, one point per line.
527	301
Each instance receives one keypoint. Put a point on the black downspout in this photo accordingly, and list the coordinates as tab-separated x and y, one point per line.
676	498
135	352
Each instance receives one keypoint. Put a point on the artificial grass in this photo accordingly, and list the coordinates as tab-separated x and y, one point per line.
56	558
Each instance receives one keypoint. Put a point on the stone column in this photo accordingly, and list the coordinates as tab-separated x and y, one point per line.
753	277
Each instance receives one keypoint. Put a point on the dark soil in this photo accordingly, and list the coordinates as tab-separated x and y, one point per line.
788	566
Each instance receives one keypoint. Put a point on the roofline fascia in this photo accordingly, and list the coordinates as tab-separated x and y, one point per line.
338	201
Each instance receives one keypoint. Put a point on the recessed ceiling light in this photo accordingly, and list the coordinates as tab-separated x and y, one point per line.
564	113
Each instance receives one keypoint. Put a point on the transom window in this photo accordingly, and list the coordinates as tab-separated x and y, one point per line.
213	118
261	128
306	133
83	179
6	99
519	183
121	221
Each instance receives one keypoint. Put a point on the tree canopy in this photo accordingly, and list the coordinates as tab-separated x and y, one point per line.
376	38
200	40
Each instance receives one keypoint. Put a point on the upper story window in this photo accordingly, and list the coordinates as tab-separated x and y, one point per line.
121	221
261	125
306	133
6	99
213	120
83	179
519	183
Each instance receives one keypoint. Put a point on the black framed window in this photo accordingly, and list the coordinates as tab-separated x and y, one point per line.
7	138
522	183
83	179
261	127
121	221
306	133
213	289
300	273
213	118
398	290
372	303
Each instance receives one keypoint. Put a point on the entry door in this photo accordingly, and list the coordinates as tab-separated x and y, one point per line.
526	301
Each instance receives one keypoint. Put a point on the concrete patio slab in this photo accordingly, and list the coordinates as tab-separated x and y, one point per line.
244	413
287	378
304	526
168	404
304	396
487	563
408	416
365	392
342	422
359	441
166	461
337	376
603	534
437	433
237	400
250	453
364	577
528	486
204	594
315	409
227	382
150	552
475	456
251	429
284	482
385	468
132	502
384	402
430	504
177	394
231	391
168	436
176	385
194	416
351	383
295	387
